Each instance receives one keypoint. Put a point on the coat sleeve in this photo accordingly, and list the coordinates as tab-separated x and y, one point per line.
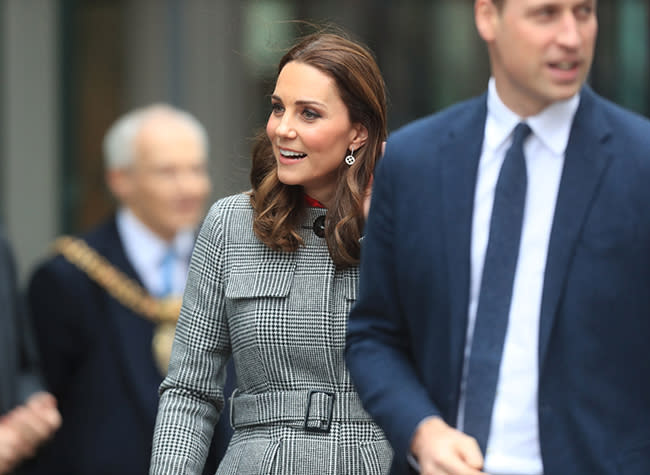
378	352
59	320
29	374
191	396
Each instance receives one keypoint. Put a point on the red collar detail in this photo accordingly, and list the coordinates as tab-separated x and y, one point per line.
313	203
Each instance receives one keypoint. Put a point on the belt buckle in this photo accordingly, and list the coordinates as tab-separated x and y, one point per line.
325	425
231	414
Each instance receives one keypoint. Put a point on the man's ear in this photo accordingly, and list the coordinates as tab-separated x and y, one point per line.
485	16
360	137
118	181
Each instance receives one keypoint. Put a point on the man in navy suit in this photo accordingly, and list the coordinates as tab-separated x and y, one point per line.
99	305
572	392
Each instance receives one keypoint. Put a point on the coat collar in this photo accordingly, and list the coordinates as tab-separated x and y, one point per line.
133	334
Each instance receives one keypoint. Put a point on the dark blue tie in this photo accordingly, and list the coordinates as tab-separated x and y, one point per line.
496	290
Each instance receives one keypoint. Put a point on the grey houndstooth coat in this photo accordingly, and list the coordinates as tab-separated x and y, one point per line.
282	317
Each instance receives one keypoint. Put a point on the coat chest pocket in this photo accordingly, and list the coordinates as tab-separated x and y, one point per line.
350	286
265	280
257	290
257	299
613	225
351	293
618	236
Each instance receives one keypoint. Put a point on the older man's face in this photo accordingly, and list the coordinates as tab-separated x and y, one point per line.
168	183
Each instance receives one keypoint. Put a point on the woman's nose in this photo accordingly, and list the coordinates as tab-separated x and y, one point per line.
285	127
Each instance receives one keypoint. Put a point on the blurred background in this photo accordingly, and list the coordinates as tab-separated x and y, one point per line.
68	68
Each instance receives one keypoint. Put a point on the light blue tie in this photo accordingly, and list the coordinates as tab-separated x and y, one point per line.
496	290
167	273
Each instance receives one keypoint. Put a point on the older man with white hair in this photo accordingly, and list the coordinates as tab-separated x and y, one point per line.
105	306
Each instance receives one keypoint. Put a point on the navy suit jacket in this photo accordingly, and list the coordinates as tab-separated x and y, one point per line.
19	375
19	372
98	362
406	333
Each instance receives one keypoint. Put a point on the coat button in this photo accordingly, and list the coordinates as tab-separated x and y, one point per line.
319	226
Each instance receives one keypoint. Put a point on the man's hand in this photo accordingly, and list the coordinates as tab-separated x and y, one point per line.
9	447
443	450
25	427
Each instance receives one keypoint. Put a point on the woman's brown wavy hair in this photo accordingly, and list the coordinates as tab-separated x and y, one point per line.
279	208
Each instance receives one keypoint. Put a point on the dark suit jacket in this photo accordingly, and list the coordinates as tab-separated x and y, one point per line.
406	333
98	362
19	376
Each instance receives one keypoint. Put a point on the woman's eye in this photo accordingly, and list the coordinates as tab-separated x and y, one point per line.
310	114
276	108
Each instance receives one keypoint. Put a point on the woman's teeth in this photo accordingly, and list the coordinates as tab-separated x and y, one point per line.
293	155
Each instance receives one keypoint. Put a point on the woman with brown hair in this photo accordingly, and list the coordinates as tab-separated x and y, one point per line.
272	279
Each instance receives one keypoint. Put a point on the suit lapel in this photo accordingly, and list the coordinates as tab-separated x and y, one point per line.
586	160
133	337
461	153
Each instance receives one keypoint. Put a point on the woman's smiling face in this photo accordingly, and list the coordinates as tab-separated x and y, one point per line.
310	129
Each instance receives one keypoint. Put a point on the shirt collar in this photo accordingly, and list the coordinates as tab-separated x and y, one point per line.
552	126
142	244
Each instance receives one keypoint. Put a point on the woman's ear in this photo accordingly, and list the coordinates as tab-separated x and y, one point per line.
359	137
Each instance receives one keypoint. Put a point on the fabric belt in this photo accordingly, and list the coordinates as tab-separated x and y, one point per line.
313	410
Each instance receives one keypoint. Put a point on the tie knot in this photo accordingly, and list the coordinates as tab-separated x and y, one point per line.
168	257
522	130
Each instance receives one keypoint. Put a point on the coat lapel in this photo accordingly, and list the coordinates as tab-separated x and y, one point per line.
133	337
462	151
586	160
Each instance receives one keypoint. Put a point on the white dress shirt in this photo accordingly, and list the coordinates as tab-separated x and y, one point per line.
513	445
146	253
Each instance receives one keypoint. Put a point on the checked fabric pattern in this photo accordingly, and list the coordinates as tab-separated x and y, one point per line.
282	317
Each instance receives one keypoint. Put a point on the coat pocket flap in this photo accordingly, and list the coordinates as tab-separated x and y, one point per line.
272	280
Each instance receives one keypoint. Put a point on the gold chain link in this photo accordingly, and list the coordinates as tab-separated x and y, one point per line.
124	289
163	312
